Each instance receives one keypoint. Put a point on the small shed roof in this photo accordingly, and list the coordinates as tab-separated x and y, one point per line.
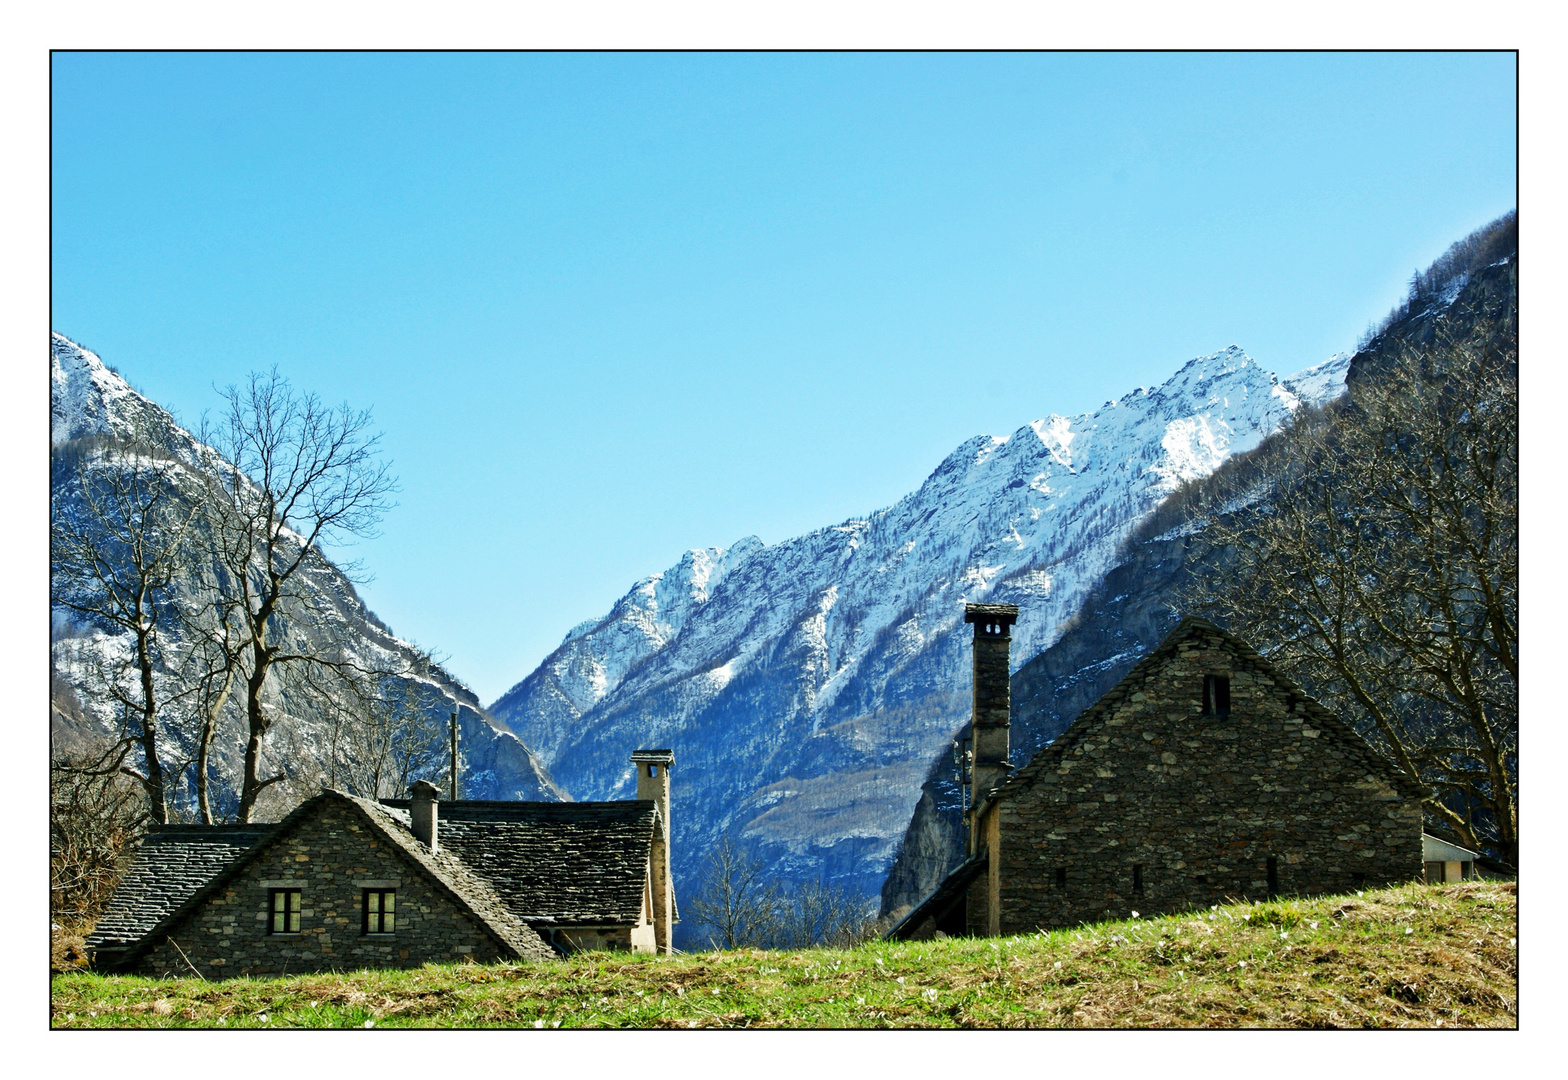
941	900
1435	849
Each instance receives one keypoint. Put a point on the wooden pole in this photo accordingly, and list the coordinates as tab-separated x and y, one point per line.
454	755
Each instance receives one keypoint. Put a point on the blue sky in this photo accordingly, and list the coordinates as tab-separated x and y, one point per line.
608	307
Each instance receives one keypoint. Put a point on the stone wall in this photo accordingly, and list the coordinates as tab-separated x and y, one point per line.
331	856
1195	807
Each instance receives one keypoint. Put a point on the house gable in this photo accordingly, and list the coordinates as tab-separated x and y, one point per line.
331	849
1147	803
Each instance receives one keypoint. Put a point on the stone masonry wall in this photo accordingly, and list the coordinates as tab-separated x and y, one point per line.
331	857
1199	803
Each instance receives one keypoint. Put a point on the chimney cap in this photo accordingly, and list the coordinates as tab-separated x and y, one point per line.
1002	613
423	789
654	757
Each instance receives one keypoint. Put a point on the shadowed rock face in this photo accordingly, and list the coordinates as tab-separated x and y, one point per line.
91	405
806	686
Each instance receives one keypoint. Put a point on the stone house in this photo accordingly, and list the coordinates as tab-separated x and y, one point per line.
1204	775
344	882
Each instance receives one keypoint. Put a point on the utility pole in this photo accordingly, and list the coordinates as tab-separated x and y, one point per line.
454	755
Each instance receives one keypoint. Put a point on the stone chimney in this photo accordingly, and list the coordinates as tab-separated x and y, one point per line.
422	796
990	725
653	783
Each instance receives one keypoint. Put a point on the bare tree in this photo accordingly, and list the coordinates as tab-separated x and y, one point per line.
1383	572
742	909
116	552
297	474
734	901
210	665
94	815
380	742
822	913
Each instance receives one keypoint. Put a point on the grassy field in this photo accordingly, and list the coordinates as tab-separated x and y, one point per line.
1413	956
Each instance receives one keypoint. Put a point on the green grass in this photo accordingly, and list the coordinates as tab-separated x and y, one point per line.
1412	956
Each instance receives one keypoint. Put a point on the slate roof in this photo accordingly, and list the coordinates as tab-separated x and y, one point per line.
941	899
1049	757
171	865
558	863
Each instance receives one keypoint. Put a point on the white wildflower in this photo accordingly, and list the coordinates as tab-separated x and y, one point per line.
555	1023
860	1001
1135	914
1314	926
900	980
1408	930
929	994
1241	963
1058	963
370	1023
538	1023
879	962
1513	942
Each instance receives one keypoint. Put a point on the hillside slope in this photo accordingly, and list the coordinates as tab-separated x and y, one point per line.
1418	956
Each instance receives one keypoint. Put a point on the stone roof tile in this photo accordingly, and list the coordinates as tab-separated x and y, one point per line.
560	863
170	866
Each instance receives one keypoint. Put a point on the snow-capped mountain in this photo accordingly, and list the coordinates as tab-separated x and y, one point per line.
805	685
92	406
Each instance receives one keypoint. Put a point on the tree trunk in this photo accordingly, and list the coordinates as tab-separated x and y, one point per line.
156	797
251	783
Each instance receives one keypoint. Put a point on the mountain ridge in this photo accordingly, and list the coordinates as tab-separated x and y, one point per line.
844	637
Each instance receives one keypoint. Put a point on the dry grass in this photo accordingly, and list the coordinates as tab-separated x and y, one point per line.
1413	956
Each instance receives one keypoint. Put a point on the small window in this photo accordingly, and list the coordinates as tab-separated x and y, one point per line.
1216	695
284	906
1137	877
1358	880
380	911
1061	877
1273	871
653	770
